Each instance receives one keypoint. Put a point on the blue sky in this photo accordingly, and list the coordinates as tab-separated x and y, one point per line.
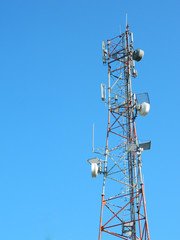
50	75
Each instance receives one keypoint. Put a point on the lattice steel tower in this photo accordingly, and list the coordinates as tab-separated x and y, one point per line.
123	207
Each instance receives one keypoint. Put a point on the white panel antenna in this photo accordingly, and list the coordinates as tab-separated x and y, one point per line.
103	92
104	51
94	170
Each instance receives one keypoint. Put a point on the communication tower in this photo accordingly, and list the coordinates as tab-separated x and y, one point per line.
123	206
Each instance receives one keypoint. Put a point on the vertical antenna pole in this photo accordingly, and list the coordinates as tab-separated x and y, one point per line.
126	19
93	139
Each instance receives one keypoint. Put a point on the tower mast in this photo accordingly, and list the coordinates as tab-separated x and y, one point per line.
123	209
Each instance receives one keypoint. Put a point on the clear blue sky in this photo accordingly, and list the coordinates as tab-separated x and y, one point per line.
50	75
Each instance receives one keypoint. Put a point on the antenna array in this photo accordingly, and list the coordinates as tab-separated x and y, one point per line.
123	207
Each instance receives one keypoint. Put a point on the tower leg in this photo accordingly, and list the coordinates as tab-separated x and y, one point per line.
100	227
147	228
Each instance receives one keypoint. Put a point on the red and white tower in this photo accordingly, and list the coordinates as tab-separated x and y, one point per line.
123	206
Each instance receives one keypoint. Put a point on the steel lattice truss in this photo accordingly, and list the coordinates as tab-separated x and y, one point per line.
123	210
